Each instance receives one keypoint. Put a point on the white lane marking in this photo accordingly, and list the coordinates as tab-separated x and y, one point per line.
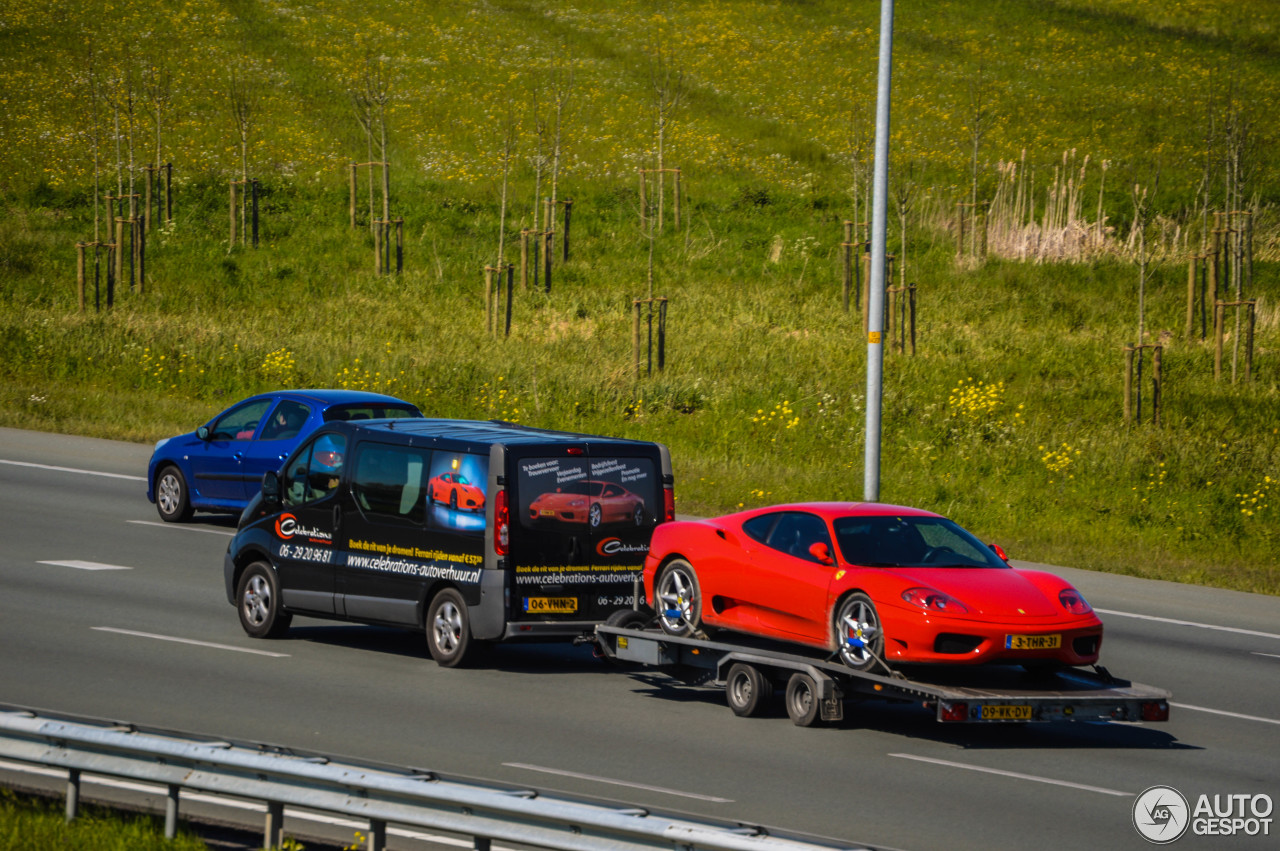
626	783
1268	655
74	470
1226	713
1016	775
190	641
1176	622
85	565
231	803
182	527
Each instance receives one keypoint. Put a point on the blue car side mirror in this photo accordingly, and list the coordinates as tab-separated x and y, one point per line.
203	432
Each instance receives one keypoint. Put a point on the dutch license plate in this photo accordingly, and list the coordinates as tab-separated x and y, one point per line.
1006	712
551	605
1032	642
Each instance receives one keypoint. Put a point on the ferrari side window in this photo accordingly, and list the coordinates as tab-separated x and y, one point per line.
758	528
796	531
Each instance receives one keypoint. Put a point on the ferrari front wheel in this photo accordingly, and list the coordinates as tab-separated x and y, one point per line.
677	599
859	636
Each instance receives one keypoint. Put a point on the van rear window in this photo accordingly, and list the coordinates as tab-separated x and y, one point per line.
580	493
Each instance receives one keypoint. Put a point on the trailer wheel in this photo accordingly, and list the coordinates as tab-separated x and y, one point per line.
803	703
747	690
678	599
628	619
858	634
448	629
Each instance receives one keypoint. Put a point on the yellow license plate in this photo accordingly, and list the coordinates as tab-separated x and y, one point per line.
1015	712
548	512
551	605
1032	642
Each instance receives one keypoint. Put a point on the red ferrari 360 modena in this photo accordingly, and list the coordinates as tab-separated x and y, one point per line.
589	502
874	583
456	490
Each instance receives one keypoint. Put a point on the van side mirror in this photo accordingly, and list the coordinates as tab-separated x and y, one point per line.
821	553
271	487
203	432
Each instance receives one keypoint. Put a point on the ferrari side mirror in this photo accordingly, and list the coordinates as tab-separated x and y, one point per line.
821	553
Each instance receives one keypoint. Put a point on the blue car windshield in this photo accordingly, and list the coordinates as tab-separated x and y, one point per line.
889	541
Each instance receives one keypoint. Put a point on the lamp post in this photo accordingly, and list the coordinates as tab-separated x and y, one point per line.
875	301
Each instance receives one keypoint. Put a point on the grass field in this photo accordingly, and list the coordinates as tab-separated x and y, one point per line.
28	824
1007	418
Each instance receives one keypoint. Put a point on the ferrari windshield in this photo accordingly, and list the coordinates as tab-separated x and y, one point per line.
890	541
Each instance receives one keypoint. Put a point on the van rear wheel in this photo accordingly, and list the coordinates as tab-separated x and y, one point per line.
448	629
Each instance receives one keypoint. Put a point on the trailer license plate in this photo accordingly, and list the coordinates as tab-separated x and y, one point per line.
1032	642
1004	712
551	605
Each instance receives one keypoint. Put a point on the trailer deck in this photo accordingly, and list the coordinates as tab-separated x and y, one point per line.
817	687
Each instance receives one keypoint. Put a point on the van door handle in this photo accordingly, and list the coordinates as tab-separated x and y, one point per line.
337	517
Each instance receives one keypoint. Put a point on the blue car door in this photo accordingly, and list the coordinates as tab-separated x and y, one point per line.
286	425
217	465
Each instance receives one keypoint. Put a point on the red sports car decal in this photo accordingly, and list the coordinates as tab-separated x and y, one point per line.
456	491
590	502
875	583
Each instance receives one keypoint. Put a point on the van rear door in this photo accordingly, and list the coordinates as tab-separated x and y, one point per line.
581	519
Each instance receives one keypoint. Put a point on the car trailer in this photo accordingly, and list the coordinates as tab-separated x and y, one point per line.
816	687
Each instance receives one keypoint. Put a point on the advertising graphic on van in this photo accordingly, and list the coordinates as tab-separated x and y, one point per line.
287	526
456	491
587	493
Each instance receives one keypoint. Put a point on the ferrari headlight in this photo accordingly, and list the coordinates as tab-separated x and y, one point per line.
1074	602
934	601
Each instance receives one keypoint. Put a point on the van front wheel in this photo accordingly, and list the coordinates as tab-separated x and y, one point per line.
448	629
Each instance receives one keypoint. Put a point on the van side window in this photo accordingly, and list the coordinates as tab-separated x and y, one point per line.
315	471
388	482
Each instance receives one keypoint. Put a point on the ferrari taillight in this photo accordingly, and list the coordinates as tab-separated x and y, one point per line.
934	601
1073	602
668	504
501	524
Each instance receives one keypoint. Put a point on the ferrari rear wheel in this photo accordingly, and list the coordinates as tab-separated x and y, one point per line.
678	600
747	690
859	636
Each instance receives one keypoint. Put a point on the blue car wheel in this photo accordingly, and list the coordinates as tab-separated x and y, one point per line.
172	500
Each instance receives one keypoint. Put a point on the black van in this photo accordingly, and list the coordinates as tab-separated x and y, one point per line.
469	530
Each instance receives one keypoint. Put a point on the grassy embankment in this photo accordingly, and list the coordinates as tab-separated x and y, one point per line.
28	824
1008	418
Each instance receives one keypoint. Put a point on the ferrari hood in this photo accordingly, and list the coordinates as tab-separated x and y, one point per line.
990	592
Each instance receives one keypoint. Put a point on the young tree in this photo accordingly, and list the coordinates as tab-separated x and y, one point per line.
245	97
669	91
157	84
980	118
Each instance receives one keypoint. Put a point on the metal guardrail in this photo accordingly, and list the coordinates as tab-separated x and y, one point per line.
377	794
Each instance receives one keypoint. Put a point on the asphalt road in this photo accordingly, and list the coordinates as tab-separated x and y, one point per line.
148	637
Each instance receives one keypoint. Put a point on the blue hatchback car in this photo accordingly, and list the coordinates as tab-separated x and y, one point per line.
219	466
